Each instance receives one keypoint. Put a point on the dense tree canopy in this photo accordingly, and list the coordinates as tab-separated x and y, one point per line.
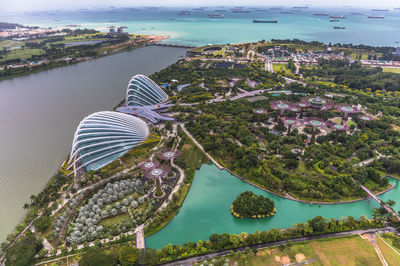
249	205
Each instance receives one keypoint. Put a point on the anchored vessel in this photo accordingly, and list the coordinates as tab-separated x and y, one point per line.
184	13
377	17
338	17
216	16
339	28
321	14
265	21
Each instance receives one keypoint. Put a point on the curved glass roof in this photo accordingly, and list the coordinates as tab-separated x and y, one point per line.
103	137
142	91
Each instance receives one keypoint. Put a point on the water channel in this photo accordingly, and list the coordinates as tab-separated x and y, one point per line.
206	209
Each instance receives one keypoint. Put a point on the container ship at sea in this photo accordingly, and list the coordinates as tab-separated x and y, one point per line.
216	15
337	17
184	13
265	21
376	17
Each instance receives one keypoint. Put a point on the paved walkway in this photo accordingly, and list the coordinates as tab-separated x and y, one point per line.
201	147
140	243
389	210
371	238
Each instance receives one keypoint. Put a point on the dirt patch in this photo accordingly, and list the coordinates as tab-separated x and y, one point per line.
268	251
300	257
285	260
260	253
277	259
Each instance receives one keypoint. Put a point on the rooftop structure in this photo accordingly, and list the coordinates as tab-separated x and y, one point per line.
148	112
365	118
281	106
168	154
260	111
346	110
317	102
159	172
144	98
142	91
290	122
103	137
149	165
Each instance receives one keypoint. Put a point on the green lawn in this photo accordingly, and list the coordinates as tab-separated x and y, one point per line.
115	220
352	250
281	68
391	257
21	54
391	70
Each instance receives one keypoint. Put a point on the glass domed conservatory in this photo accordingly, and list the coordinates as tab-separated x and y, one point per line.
142	91
103	137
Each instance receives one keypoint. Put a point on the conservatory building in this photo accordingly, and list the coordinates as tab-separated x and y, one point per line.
142	91
103	137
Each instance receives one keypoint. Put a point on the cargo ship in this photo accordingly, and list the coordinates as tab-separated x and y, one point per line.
216	16
265	21
376	17
240	11
300	7
321	14
380	10
219	10
357	13
339	28
338	17
276	8
333	20
286	12
396	8
184	13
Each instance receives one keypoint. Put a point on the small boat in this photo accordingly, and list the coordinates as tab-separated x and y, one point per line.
265	21
240	11
198	9
376	17
216	15
339	28
184	13
338	17
333	20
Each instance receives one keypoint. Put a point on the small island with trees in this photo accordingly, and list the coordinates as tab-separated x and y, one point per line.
249	205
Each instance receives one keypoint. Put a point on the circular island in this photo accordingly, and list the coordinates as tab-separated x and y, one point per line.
249	205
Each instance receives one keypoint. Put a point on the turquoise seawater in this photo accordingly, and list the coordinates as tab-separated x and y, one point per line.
199	29
206	210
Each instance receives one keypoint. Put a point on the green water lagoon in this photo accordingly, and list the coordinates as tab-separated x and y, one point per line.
206	210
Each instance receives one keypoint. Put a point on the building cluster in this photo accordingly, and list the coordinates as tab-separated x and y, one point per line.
21	34
103	137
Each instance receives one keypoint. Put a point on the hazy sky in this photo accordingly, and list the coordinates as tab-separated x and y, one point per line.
26	5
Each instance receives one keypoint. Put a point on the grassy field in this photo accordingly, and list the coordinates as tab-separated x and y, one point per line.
281	68
352	250
391	70
391	257
21	54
